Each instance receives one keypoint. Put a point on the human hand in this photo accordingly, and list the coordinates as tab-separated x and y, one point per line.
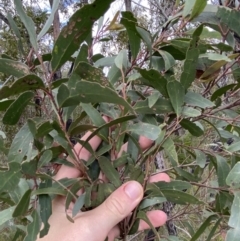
102	222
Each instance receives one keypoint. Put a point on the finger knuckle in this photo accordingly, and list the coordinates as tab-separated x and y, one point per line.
115	206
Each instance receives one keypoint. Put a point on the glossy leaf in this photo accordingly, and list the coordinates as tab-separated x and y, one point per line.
174	185
176	94
130	23
6	215
190	64
146	37
143	216
45	203
28	23
155	79
151	202
45	158
196	99
198	8
201	158
63	94
233	176
110	172
78	204
191	127
190	112
33	228
168	59
170	151
160	107
11	177
14	112
5	104
180	197
234	220
15	68
20	144
121	60
148	130
26	83
235	147
22	206
94	93
82	55
49	22
223	170
76	31
202	228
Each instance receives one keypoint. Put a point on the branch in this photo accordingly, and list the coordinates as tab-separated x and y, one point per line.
4	19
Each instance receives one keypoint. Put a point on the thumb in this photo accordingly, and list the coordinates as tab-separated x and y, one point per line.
118	205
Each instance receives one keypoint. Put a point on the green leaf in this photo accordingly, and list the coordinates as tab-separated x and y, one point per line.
22	206
6	215
50	191
20	144
203	227
95	117
230	18
143	216
10	178
121	60
235	147
190	112
160	107
234	221
14	112
190	64
5	104
76	31
146	37
89	73
110	172
15	68
148	130
168	59
180	197
223	170
130	23
45	203
201	158
211	234
215	57
45	158
28	23
188	6
80	129
198	8
78	204
63	94
196	99
170	151
233	177
191	127
33	228
95	93
82	55
176	94
221	91
105	62
174	185
155	79
152	99
26	83
49	22
114	74
151	202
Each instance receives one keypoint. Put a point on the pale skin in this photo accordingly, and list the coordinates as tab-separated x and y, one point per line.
101	222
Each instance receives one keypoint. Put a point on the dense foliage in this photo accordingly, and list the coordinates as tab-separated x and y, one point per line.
178	87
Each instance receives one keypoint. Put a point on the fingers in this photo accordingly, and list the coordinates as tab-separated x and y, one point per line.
159	177
118	206
156	217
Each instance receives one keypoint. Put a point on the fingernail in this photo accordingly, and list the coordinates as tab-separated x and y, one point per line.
133	190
